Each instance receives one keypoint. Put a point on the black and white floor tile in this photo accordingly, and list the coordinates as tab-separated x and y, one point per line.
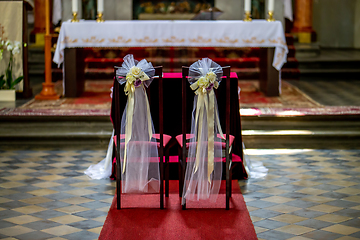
307	194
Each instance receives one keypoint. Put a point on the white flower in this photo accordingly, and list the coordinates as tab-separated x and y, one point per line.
16	50
203	82
130	78
17	44
211	76
135	71
10	47
7	43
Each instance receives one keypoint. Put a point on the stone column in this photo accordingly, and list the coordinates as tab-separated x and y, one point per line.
303	21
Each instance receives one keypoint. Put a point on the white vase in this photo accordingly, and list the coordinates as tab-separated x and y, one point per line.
7	95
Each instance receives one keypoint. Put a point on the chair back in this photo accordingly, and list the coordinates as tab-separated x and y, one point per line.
223	92
118	105
154	93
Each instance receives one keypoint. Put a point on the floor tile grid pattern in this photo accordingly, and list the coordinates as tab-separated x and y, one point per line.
307	194
45	195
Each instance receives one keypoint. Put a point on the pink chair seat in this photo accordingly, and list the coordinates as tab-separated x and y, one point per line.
179	139
166	139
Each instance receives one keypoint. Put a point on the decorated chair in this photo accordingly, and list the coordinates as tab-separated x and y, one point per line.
139	151
203	149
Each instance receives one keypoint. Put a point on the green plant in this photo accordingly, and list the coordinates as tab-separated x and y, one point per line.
7	80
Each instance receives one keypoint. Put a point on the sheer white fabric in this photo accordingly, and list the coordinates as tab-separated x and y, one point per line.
139	168
252	168
202	181
104	167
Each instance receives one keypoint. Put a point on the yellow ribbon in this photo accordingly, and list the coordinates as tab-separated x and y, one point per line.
206	102
129	90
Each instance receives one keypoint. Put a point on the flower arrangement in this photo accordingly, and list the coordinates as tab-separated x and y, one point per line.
6	80
207	82
134	78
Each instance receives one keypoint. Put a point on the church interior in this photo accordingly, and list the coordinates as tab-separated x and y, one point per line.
293	102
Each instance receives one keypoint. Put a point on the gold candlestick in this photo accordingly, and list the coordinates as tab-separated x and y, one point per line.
100	17
247	16
74	17
271	16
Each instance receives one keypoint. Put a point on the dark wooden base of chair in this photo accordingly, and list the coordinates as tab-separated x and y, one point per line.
183	206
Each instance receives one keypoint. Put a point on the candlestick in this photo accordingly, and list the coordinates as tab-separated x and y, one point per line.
247	6
74	5
100	17
271	16
247	17
100	6
271	6
74	17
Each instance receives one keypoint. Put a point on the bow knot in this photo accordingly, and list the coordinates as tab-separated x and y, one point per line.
134	78
205	83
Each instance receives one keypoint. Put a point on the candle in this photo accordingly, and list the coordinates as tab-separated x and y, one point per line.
100	6
271	5
247	5
74	5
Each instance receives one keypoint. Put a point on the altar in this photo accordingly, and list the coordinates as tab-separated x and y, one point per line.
269	36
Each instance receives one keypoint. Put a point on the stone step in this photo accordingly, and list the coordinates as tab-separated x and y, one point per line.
258	132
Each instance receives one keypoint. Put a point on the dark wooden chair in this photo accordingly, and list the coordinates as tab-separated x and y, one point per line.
118	105
184	138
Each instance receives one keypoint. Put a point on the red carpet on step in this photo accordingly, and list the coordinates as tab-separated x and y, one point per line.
141	218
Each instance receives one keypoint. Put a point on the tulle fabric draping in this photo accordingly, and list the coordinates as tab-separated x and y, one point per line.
203	171
138	150
254	169
104	167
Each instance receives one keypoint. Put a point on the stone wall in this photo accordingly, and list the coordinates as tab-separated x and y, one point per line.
122	9
334	22
357	25
113	9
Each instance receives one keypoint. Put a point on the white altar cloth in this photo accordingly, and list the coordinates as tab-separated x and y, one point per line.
225	33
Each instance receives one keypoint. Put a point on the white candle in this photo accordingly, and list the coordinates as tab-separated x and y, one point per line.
247	5
100	5
271	5
74	5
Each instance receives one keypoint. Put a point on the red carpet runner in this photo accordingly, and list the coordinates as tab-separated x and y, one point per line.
141	218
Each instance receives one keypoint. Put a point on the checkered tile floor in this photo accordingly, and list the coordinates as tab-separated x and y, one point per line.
307	194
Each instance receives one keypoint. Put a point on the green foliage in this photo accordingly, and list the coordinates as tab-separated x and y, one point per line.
2	81
7	81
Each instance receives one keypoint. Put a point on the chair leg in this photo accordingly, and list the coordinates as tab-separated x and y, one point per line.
183	180
180	172
161	183
167	173
184	206
118	180
230	175
227	185
230	183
